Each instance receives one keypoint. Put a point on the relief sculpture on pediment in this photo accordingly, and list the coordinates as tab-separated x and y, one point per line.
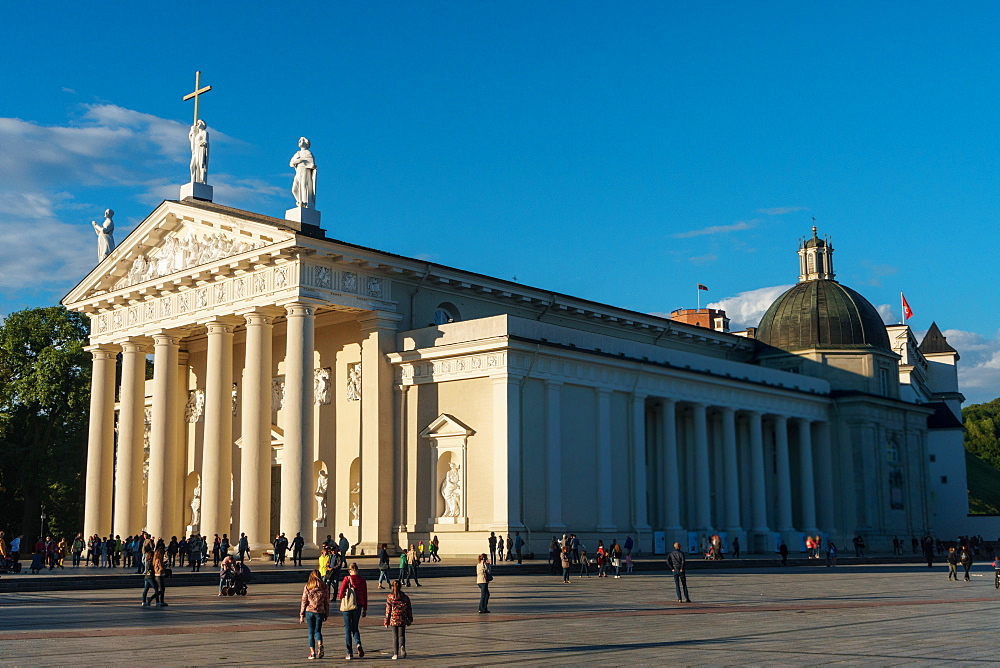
179	253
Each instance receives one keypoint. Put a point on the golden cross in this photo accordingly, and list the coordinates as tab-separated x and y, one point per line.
197	91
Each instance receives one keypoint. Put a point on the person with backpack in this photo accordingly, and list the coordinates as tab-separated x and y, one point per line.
383	565
965	558
353	598
398	615
313	611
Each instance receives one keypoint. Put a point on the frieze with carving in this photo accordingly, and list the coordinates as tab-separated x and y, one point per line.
180	253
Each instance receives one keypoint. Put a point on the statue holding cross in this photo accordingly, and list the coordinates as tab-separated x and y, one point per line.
198	135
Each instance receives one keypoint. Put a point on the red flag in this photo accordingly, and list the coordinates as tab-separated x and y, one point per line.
702	287
907	311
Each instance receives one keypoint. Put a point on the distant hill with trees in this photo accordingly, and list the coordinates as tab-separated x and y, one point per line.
982	456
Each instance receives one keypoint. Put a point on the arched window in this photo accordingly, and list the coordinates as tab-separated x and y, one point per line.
445	313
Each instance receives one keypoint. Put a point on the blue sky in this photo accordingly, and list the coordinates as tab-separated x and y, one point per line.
621	152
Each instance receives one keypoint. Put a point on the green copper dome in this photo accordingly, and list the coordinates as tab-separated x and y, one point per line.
822	314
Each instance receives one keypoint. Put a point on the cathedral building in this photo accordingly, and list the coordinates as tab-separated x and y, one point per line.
304	384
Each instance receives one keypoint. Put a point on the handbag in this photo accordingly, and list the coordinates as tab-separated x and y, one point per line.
489	576
383	567
349	601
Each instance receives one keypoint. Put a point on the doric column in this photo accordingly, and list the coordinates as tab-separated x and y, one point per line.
164	431
702	486
378	330
297	453
100	441
734	524
130	515
640	510
824	462
255	430
217	451
671	469
758	487
605	486
506	452
553	453
784	475
806	477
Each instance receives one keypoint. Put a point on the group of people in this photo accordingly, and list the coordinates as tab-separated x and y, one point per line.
352	597
498	547
568	552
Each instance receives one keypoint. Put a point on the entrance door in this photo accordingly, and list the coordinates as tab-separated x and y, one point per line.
275	500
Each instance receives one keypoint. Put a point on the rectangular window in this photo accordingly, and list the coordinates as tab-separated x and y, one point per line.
944	480
933	458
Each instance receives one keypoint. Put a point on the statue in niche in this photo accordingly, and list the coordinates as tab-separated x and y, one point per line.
195	406
105	235
304	183
236	397
198	136
322	481
451	490
196	506
277	393
321	386
355	504
354	383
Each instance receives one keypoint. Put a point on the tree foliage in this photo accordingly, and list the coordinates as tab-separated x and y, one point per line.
44	402
982	431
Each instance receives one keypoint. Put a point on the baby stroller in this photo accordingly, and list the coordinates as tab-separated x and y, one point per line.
235	581
9	566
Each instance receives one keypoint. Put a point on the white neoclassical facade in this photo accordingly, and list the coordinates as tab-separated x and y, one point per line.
304	384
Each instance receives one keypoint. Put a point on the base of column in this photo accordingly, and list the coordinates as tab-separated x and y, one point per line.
606	528
761	541
368	549
557	527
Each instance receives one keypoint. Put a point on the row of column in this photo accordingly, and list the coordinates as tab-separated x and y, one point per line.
162	514
164	509
674	494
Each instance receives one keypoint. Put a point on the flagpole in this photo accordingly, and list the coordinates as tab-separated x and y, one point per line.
698	290
902	310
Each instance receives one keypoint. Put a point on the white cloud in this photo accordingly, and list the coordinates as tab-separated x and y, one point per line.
889	316
47	172
746	308
703	259
717	229
781	210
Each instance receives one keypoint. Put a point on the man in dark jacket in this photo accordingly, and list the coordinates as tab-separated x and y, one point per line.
297	543
676	562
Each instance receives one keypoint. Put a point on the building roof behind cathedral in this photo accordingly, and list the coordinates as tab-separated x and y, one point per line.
935	342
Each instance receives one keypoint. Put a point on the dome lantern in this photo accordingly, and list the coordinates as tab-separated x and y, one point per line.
815	259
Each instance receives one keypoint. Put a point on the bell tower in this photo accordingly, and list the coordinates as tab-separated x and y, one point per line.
815	259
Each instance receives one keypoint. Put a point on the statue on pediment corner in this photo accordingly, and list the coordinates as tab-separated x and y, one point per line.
105	235
304	183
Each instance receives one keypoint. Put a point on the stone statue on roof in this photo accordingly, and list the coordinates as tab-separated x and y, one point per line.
198	136
304	183
105	235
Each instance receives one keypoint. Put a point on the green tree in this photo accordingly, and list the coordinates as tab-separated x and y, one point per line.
44	402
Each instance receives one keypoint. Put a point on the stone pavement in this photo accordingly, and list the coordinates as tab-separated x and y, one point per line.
883	615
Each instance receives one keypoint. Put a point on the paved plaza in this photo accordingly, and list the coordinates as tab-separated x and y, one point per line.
881	615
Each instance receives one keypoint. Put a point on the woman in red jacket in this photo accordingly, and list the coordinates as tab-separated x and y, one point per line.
353	597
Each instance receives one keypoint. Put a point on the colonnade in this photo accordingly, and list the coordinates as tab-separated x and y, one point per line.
720	468
114	500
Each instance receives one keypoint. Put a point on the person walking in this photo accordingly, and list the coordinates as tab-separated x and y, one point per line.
216	550
783	551
965	558
413	565
148	578
313	611
483	577
398	615
493	547
160	573
553	556
831	554
616	558
297	543
383	565
952	560
510	547
629	544
197	547
243	547
602	560
500	546
584	563
78	545
404	567
676	561
566	560
435	549
518	546
353	598
736	548
343	545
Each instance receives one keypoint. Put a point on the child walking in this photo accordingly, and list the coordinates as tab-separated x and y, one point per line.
398	615
313	611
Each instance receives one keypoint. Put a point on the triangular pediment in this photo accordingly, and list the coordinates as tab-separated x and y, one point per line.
446	425
179	237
